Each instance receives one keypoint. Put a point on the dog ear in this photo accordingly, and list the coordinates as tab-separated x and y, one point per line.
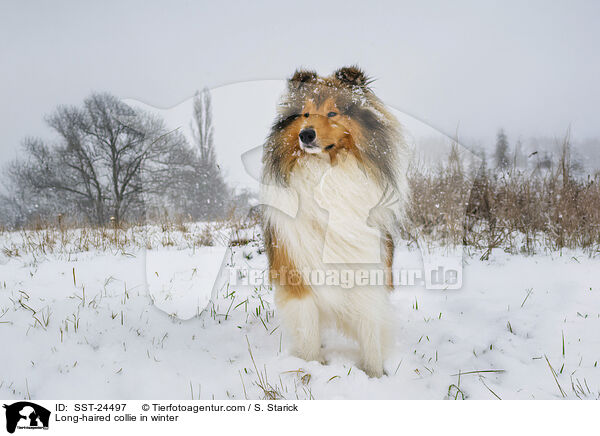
352	76
301	77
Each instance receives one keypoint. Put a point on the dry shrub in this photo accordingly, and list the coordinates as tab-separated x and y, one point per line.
518	211
64	237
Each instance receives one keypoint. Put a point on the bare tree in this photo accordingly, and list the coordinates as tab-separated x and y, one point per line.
111	161
211	196
21	201
519	159
501	153
107	156
201	125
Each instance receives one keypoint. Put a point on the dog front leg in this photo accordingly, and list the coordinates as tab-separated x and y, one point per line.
300	317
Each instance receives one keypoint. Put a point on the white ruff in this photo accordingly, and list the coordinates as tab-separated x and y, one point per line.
333	205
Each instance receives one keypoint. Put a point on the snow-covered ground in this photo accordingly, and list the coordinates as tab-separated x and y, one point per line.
83	325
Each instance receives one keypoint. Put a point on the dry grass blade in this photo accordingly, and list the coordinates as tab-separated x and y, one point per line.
562	392
269	392
479	372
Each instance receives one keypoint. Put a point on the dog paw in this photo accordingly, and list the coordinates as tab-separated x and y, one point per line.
310	356
373	370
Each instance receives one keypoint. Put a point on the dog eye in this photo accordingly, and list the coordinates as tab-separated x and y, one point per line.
306	114
332	114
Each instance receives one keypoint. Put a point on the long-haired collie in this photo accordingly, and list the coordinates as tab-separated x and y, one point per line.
338	154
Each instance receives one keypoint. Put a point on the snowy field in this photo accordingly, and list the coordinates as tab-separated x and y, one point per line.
129	323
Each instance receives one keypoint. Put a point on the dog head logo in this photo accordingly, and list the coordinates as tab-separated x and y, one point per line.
26	415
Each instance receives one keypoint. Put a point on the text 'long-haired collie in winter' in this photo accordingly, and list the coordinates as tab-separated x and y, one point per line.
338	154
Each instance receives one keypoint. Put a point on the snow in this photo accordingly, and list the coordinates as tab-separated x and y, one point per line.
122	322
181	283
98	333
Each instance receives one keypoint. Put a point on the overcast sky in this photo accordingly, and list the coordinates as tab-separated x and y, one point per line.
530	67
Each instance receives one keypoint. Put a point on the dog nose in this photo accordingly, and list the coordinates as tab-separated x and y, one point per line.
307	135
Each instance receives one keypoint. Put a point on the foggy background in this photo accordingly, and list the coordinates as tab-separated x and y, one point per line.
530	68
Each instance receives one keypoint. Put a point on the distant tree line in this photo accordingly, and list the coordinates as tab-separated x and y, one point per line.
541	158
113	163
